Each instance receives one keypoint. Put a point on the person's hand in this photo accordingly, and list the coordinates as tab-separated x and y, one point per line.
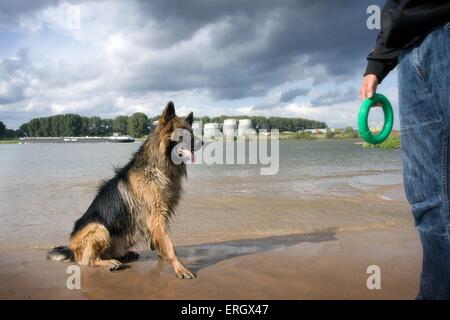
369	86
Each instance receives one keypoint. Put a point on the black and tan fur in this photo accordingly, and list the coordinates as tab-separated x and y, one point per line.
133	206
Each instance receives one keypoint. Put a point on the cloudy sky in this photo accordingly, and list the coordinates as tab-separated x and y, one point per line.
213	57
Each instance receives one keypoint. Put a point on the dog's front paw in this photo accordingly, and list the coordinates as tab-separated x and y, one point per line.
114	265
182	272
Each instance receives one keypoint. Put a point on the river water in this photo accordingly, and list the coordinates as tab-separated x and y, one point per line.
45	187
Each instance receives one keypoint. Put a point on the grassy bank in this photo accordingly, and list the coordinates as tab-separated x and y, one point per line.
9	141
392	142
315	136
297	135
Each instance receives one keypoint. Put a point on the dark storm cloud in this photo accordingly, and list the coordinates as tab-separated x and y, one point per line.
289	95
276	35
285	97
333	97
181	19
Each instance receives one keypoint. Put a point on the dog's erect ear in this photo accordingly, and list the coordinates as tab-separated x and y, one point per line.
190	118
168	113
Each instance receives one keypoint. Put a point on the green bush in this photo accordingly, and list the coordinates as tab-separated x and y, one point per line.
330	134
392	142
303	135
350	133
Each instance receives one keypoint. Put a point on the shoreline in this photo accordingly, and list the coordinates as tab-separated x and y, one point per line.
282	136
10	141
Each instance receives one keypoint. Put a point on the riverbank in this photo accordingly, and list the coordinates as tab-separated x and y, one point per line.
313	136
392	142
9	141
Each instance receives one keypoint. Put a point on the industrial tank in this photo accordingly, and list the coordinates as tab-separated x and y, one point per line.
229	127
211	130
244	125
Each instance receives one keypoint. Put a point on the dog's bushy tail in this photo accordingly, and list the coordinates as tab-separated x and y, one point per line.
61	253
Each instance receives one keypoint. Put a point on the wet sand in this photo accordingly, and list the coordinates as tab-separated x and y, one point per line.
257	248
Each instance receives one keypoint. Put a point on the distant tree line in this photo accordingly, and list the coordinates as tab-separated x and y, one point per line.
136	125
74	125
280	123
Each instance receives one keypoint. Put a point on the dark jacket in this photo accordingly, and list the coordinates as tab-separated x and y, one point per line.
404	24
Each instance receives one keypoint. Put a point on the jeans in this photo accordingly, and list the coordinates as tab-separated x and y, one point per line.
424	98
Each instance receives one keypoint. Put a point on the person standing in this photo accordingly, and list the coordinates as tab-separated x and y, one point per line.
415	37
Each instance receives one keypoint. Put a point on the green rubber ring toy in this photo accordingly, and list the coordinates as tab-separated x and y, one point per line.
363	115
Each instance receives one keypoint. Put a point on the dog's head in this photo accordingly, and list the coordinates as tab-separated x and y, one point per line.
177	138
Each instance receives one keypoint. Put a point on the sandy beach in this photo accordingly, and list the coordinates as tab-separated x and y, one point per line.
274	261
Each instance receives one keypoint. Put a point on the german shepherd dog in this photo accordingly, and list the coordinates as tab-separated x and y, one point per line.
136	204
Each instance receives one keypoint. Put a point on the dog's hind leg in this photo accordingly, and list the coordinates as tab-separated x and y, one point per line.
89	246
129	256
165	248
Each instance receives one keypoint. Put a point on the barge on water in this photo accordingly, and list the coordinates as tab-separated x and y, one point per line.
114	139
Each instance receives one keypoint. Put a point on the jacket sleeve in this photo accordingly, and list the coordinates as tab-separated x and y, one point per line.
382	59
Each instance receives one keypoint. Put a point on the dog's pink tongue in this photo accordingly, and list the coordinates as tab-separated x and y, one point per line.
189	154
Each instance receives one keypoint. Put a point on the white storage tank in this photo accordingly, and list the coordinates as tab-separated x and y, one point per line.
244	125
211	130
229	127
